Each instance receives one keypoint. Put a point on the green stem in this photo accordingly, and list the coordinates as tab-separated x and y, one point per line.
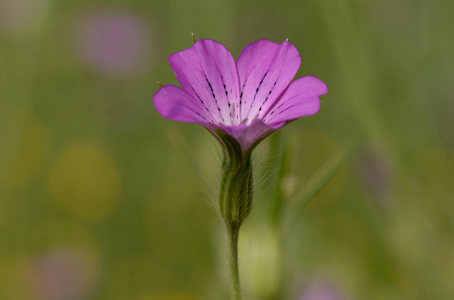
233	232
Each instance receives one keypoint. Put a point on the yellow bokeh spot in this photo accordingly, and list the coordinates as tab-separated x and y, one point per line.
55	233
84	180
260	256
437	171
15	279
24	142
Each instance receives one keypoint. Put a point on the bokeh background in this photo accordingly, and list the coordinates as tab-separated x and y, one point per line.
101	198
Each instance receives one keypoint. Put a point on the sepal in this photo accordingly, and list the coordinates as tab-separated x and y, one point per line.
236	190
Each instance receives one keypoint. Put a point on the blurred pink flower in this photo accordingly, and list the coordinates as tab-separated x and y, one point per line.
322	290
375	173
113	42
64	274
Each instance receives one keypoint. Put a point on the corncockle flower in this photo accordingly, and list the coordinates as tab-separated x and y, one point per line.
240	103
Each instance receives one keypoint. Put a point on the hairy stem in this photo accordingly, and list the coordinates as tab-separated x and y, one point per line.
233	232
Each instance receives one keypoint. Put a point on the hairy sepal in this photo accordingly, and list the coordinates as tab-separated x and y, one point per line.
236	191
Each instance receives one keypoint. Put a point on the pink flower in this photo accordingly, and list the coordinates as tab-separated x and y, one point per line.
375	172
113	42
63	274
247	99
321	290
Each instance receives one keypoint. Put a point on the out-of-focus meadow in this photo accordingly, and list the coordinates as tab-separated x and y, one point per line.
101	198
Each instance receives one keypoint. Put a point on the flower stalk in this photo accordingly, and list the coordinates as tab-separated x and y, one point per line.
235	199
233	235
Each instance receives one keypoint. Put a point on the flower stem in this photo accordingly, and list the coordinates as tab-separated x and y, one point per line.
233	232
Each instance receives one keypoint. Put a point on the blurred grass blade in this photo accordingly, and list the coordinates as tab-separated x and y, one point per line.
281	168
179	142
318	181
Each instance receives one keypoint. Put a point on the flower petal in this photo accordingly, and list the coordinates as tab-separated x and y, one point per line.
176	104
300	99
265	70
207	71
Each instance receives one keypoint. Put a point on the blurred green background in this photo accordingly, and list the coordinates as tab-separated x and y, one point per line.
101	198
